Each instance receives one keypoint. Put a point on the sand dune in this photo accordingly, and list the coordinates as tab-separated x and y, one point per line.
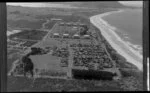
13	32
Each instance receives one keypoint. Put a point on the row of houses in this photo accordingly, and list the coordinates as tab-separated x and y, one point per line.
56	19
71	24
76	36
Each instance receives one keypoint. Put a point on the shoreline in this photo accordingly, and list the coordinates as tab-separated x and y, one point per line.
135	47
114	39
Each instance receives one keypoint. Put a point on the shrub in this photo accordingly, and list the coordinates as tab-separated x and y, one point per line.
92	74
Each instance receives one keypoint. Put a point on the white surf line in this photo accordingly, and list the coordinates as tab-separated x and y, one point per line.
113	39
148	74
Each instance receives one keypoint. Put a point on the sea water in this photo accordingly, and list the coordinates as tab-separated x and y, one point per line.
128	25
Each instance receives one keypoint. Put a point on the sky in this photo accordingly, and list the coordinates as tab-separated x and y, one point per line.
27	4
132	3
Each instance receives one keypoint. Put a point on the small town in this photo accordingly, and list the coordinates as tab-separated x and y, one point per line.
73	47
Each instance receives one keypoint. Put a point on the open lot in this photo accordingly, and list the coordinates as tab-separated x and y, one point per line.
47	62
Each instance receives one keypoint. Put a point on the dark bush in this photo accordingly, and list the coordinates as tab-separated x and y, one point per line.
92	74
35	51
125	73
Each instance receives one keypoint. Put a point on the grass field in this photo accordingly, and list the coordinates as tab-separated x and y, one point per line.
12	43
25	24
29	43
29	34
47	62
58	85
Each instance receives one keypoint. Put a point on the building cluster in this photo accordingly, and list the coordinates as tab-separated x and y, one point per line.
75	36
72	30
75	55
63	53
84	55
71	24
56	19
91	56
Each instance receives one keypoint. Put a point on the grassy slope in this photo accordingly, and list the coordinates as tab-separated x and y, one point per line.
29	34
60	85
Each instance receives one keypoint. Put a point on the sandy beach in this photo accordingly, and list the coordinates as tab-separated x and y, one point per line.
122	47
13	32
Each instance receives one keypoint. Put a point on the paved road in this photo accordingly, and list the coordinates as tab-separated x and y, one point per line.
49	32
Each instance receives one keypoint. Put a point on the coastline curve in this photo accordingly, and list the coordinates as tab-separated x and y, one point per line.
115	41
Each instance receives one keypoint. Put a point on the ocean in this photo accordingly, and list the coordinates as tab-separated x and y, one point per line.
128	25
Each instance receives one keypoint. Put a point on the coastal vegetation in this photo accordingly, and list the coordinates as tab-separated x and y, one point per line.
29	34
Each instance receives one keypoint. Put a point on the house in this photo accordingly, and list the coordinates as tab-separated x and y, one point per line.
55	19
56	35
76	36
86	36
62	24
65	35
